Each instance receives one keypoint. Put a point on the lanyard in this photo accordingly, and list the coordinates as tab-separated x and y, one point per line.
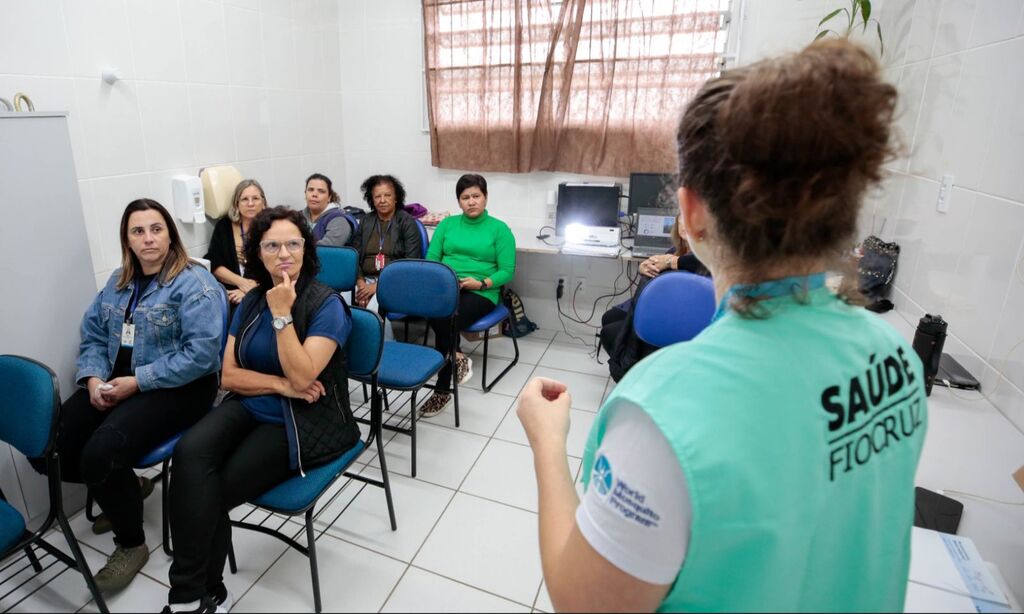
136	297
380	234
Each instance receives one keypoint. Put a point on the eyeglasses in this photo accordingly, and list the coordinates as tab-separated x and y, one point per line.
272	247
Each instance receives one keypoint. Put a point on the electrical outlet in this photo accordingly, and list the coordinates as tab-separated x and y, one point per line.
945	194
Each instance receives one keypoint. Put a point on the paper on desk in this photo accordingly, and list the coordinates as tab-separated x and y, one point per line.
921	598
952	564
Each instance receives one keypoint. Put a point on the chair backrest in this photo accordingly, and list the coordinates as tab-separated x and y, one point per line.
337	267
674	307
424	239
418	288
365	344
29	402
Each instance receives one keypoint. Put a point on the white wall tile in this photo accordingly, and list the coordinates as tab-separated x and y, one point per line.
1002	175
285	123
290	177
983	274
968	131
280	8
112	128
253	5
97	32
212	127
930	136
1007	352
32	39
157	40
922	32
245	46
996	20
206	54
908	109
166	125
309	53
954	26
250	111
279	46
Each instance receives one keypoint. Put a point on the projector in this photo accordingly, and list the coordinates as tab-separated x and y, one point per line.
594	236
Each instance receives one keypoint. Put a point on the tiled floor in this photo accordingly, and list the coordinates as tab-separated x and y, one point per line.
467	524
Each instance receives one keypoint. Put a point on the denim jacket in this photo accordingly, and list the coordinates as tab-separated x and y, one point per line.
178	329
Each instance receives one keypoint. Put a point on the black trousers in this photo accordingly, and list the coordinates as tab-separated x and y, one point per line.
100	448
472	307
226	459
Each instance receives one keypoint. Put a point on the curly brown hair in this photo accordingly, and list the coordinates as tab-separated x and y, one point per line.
782	151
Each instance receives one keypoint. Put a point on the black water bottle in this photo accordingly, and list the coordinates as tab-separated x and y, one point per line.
928	341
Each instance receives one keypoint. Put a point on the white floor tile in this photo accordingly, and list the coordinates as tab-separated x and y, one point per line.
572	357
443	456
544	599
422	591
505	473
479	413
586	390
151	519
352	579
142	595
254	553
531	349
365	521
580	421
487	545
57	589
511	384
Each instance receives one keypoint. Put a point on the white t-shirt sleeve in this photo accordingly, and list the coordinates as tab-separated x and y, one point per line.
636	511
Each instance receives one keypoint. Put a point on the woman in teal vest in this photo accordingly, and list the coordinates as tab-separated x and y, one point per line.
769	463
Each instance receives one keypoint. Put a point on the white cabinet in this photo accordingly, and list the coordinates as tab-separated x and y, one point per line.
45	270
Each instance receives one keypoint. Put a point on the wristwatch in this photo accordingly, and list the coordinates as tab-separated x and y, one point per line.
484	284
280	323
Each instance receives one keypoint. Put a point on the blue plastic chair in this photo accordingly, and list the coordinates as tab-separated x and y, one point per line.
401	317
299	495
161	455
427	290
483	325
29	414
674	307
338	267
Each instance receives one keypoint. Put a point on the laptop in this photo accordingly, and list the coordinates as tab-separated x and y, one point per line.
653	231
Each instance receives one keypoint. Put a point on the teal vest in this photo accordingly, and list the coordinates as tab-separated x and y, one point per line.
799	435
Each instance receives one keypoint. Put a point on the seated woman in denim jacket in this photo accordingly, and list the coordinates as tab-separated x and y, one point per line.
286	367
147	368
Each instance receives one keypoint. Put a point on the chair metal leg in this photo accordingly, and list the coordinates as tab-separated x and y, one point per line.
33	559
83	566
164	505
232	565
412	405
387	481
366	395
314	573
515	360
89	515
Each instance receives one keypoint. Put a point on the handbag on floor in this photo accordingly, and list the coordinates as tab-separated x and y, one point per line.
877	269
524	326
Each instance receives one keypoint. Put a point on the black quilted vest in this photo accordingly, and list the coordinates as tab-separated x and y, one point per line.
322	431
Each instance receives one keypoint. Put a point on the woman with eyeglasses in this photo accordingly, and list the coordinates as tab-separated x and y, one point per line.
146	370
287	411
227	245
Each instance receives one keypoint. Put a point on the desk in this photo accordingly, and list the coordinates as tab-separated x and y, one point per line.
972	447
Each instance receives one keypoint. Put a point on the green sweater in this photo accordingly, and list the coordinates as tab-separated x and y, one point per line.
480	248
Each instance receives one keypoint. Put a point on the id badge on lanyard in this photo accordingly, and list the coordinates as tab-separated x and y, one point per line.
378	261
128	328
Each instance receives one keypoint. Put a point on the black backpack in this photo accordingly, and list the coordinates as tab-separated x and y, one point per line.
524	326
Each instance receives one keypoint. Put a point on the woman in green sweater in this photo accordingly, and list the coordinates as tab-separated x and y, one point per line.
482	251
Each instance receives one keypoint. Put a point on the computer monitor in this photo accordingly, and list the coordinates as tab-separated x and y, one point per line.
589	204
652	190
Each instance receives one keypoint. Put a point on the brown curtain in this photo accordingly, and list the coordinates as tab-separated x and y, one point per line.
583	86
